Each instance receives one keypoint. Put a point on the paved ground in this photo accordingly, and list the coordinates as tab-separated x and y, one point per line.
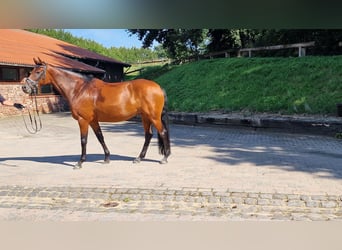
212	174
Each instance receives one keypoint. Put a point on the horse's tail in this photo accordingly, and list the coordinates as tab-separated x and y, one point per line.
164	145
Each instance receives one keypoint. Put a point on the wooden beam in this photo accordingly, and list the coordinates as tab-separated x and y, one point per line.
276	47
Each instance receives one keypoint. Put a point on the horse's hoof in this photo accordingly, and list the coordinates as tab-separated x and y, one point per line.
163	161
137	160
106	161
77	166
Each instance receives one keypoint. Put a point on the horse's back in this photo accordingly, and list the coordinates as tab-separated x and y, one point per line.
139	85
123	100
144	84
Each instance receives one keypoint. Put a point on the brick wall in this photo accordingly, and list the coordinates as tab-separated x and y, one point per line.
46	103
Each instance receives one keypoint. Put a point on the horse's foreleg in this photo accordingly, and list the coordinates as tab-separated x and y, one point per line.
148	136
98	132
84	138
142	154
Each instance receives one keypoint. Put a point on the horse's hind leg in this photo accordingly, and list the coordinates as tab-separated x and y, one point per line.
163	140
98	132
164	145
148	136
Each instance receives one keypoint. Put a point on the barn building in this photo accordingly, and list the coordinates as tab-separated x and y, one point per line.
19	47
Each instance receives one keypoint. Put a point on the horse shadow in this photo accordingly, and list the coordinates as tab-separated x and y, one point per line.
67	160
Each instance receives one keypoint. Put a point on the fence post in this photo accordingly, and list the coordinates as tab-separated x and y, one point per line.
301	51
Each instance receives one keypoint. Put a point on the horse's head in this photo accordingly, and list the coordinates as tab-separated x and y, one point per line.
36	75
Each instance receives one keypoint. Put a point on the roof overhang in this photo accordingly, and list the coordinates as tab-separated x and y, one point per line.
19	47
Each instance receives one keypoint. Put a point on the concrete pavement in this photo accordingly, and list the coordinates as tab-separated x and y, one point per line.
213	174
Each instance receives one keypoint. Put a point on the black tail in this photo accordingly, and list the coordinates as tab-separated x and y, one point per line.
164	140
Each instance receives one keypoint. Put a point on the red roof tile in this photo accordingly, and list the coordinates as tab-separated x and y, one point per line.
19	47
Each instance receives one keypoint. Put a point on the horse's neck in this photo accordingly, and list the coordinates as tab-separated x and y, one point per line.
66	83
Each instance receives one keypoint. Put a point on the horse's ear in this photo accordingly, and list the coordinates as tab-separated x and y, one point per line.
35	61
39	61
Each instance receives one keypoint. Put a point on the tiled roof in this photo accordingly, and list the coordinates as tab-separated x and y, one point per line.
19	47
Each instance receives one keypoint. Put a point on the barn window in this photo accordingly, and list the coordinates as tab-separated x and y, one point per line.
24	72
46	89
9	74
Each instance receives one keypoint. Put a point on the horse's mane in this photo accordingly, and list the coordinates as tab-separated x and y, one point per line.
86	78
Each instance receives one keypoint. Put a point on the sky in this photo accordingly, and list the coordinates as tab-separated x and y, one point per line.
108	37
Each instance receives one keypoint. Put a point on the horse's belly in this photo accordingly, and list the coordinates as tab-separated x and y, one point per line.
114	119
115	116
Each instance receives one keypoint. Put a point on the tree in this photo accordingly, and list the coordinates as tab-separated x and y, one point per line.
224	39
184	43
178	43
159	50
326	41
221	39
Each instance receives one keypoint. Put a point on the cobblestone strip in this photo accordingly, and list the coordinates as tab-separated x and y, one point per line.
183	202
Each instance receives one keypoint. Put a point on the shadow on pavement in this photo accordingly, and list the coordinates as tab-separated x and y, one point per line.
66	160
291	152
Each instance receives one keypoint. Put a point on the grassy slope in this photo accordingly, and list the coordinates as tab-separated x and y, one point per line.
279	85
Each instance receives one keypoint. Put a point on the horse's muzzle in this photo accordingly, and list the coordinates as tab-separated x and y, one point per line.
28	87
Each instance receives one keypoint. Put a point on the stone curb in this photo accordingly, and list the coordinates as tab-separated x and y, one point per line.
185	201
330	126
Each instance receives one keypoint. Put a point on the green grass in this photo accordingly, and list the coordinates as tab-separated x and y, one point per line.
311	85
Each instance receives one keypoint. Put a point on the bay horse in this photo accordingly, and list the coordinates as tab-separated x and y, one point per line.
92	101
